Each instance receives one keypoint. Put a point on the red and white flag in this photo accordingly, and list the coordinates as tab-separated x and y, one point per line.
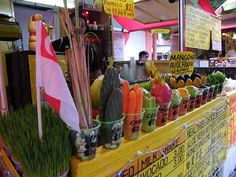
50	78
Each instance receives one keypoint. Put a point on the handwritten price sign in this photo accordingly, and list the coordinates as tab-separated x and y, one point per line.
124	8
181	63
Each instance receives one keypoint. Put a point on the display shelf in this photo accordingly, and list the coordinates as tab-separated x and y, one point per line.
8	164
109	162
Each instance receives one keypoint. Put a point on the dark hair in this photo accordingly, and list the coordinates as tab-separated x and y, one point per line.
143	53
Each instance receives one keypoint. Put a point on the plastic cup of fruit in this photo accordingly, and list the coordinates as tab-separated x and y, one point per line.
215	91
133	125
173	112
183	105
205	95
149	119
198	101
162	114
220	88
192	101
210	93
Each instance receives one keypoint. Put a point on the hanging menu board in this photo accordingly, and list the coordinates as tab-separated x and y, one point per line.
232	120
118	45
216	33
197	31
198	150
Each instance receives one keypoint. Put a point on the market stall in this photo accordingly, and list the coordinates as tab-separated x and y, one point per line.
173	124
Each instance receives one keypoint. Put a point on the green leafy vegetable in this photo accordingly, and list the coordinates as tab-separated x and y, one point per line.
220	77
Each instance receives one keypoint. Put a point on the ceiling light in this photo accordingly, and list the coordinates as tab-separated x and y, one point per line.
234	36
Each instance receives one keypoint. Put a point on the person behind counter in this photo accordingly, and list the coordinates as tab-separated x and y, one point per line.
232	52
143	57
140	71
60	45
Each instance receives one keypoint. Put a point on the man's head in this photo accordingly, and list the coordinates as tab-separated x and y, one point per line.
143	56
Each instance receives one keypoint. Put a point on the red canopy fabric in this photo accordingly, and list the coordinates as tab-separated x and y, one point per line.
133	25
206	5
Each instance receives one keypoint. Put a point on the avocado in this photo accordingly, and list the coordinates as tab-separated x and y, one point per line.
194	75
186	77
180	77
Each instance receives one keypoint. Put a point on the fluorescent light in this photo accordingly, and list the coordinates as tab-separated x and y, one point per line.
59	3
234	36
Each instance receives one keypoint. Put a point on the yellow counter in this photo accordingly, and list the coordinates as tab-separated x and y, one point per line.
213	116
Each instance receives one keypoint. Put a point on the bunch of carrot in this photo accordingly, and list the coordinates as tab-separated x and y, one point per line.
132	99
132	108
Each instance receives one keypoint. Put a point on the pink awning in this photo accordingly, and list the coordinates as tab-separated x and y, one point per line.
133	25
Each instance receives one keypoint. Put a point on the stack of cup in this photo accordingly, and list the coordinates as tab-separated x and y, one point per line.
174	105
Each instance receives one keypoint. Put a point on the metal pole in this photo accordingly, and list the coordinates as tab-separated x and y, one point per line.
181	24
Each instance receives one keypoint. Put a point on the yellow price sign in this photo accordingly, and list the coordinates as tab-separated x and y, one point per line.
124	8
181	63
166	31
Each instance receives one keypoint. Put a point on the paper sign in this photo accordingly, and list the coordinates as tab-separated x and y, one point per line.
229	5
95	5
198	151
124	8
166	31
197	32
216	33
232	120
181	63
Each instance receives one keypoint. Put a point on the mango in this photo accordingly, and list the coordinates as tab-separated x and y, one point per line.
197	82
95	89
189	82
181	83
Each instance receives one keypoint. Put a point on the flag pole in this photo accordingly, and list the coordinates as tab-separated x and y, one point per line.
3	97
39	113
38	78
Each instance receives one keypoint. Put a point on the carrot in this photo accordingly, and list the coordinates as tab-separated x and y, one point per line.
130	117
125	89
131	102
139	100
136	87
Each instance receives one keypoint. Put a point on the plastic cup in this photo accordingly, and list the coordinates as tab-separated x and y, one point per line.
149	119
198	101
192	101
205	95
183	106
86	141
173	112
133	125
220	88
162	115
111	133
210	93
215	91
